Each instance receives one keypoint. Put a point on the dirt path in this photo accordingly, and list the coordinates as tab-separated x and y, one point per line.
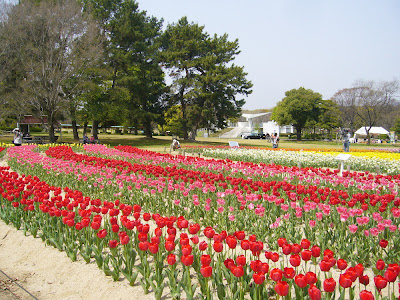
47	273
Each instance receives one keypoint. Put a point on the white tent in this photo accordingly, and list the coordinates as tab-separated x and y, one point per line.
373	130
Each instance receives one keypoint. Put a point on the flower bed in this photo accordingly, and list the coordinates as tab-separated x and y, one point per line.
381	162
235	208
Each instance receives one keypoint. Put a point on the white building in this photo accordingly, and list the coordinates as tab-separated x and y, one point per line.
256	123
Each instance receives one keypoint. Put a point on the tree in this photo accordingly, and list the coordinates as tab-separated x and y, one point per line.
369	101
396	126
50	41
206	83
346	101
132	50
329	116
297	108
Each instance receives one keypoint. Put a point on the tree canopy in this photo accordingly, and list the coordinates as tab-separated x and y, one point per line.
297	108
205	82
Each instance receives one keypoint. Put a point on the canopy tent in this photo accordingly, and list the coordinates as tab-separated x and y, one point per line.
373	130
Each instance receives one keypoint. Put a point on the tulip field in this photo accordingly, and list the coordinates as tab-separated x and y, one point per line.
244	224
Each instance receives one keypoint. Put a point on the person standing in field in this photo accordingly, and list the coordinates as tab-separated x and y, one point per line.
275	140
346	141
17	141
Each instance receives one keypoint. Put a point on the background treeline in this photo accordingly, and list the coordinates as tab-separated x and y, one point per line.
110	63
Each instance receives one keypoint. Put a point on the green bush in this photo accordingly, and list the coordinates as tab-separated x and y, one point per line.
35	129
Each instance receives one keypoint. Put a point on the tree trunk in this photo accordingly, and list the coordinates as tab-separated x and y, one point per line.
95	128
193	134
75	130
298	133
51	132
85	125
147	129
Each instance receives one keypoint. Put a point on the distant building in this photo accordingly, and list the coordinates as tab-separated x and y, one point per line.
256	123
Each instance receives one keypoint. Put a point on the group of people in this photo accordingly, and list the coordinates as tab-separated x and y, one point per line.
86	139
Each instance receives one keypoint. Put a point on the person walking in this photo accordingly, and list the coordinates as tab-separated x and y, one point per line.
17	141
346	141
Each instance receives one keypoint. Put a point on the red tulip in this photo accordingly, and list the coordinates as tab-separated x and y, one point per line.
289	273
295	260
306	255
153	248
171	259
187	260
193	229
281	242
101	234
218	247
314	293
287	249
209	232
258	278
324	265
229	263
142	236
237	271
359	269
186	249
256	265
305	244
144	245
345	280
240	235
158	231
206	271
329	285
296	248
274	257
311	278
276	274
95	225
245	244
169	246
380	282
390	275
203	246
195	239
231	241
265	268
383	243
124	240
364	279
113	243
241	260
380	264
351	272
282	288
366	295
205	260
315	251
341	264
300	280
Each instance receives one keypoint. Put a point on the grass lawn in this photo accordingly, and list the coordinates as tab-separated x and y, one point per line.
162	143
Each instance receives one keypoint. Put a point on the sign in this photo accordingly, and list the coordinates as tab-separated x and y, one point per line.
343	157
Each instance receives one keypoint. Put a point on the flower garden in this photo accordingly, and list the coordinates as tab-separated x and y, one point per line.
247	223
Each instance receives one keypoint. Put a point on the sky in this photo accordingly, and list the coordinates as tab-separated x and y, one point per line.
322	45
